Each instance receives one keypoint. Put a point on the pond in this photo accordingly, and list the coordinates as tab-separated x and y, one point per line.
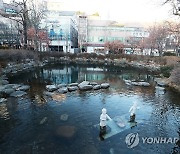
35	124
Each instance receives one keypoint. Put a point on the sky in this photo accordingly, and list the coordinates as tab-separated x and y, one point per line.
122	10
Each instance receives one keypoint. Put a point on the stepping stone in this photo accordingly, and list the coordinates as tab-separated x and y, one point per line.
86	87
63	90
51	88
73	84
97	87
83	83
18	94
23	88
105	85
74	88
8	91
93	83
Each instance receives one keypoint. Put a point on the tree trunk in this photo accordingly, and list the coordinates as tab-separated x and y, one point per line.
25	20
25	34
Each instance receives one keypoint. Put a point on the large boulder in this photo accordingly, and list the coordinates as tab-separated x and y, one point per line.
51	88
61	85
18	94
93	83
73	84
83	83
74	88
97	87
105	85
85	87
8	91
63	90
23	88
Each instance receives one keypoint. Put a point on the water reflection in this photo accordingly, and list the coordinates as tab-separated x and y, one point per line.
158	113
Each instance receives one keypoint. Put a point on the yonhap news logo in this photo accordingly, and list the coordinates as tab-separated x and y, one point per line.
133	139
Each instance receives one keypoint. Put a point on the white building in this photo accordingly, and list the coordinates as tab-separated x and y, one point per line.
62	30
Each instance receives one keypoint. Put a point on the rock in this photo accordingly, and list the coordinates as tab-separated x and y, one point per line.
43	120
2	100
4	82
63	90
61	85
66	131
8	91
73	84
51	88
64	117
74	88
58	97
160	88
161	81
93	83
86	87
105	85
162	84
15	86
48	93
128	82
23	88
97	87
18	94
83	83
145	84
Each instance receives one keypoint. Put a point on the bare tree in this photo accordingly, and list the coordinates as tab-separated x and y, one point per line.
174	32
157	38
27	13
115	47
133	43
20	16
175	6
36	14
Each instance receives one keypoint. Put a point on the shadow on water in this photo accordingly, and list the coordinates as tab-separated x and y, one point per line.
35	124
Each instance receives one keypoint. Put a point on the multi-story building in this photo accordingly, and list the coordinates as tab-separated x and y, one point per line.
9	34
62	30
101	31
82	31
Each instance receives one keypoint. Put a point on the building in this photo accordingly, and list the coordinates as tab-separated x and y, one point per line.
101	31
9	32
82	31
62	30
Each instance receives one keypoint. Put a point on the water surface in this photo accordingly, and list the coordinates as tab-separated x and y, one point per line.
21	131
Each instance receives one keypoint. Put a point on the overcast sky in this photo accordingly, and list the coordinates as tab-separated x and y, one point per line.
122	10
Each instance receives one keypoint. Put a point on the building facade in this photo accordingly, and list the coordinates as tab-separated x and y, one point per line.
62	30
82	31
9	32
101	31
